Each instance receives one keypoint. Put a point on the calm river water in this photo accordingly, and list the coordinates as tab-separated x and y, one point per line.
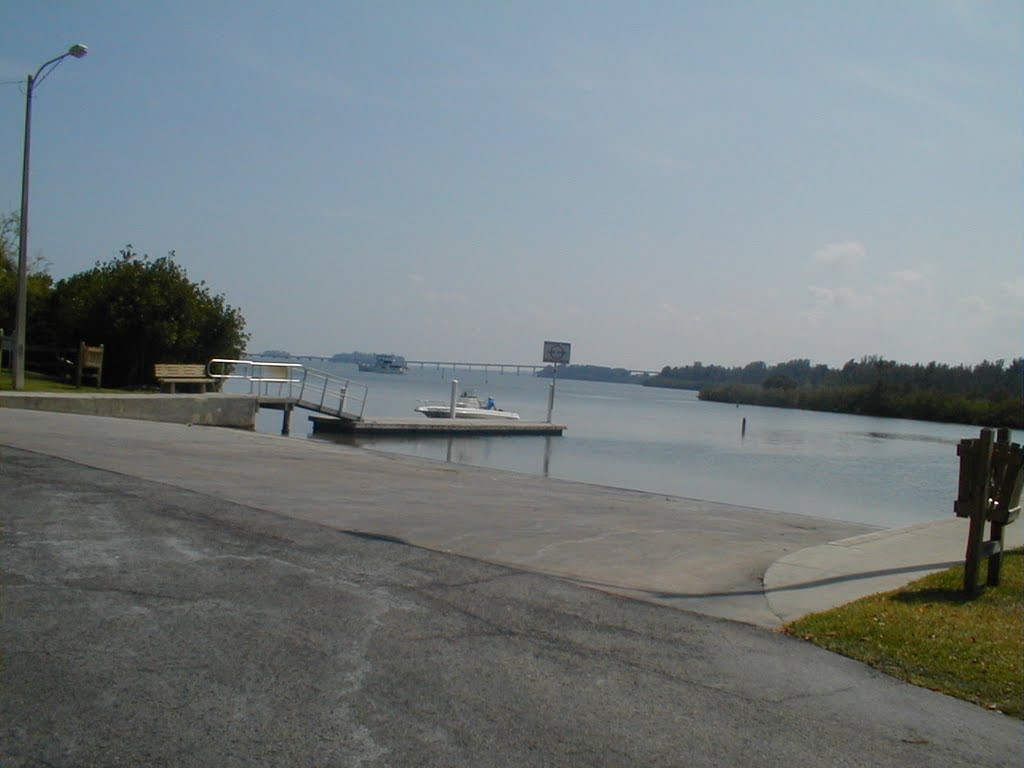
886	472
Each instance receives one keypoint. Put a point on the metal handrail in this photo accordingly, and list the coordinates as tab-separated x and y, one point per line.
308	388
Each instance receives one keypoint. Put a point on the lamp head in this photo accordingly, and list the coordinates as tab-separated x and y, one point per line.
77	50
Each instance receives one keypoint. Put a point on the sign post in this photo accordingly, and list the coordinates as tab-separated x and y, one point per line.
991	477
555	352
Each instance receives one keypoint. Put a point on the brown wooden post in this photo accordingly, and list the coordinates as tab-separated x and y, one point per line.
1008	477
982	460
995	560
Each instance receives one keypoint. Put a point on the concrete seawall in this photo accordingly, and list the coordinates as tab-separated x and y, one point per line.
214	410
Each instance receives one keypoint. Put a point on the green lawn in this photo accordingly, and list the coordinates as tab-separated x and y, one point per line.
931	635
35	382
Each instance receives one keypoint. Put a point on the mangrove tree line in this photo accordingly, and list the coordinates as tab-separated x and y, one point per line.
988	393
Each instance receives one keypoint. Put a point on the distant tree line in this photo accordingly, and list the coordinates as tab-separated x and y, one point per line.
697	376
989	393
593	373
142	310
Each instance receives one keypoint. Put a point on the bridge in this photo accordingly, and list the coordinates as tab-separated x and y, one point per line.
466	365
501	367
439	364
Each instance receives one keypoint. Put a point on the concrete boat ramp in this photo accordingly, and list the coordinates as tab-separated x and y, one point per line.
750	565
180	595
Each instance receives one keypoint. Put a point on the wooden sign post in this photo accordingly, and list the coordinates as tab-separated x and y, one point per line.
991	475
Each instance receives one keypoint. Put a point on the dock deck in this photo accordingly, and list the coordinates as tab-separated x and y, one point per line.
329	424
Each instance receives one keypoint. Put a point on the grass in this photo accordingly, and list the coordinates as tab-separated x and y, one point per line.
931	635
37	382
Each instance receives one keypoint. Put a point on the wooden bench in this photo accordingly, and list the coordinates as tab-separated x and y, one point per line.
89	365
169	375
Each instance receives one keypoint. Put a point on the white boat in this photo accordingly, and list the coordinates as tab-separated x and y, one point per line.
467	406
383	364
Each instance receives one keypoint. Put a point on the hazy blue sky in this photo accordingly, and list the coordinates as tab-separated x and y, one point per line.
655	182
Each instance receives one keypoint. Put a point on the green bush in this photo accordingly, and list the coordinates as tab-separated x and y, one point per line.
144	311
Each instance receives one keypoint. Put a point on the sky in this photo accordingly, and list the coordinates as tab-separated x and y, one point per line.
656	183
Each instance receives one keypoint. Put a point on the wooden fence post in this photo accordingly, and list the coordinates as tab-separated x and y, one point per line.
981	471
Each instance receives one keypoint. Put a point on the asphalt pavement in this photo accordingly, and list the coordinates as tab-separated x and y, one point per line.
196	596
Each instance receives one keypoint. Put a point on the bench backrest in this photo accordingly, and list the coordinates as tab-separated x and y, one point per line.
179	370
90	364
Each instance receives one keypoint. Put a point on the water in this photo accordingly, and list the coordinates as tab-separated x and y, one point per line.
887	472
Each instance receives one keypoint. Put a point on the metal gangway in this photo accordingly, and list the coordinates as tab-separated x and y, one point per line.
288	385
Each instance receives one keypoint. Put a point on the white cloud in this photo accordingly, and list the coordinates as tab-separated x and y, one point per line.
834	300
848	253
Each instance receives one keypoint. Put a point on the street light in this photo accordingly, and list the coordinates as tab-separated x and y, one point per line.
18	361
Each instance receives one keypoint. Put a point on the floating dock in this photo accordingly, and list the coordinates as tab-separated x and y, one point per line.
461	427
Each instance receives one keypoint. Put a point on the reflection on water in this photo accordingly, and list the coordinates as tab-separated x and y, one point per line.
908	436
462	450
783	438
886	472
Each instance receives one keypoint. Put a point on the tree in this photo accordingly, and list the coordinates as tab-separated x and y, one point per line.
779	381
754	373
8	231
38	285
8	270
145	311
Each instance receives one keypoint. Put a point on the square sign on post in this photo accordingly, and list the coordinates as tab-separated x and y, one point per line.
557	352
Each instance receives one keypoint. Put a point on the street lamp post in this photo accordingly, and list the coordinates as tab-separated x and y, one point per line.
18	359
